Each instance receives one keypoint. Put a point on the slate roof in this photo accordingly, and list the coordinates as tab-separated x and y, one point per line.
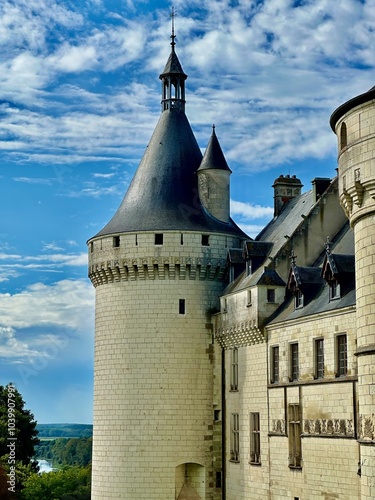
235	256
287	221
173	66
306	276
163	194
213	157
257	248
320	299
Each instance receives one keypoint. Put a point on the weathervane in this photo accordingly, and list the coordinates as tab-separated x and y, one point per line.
173	36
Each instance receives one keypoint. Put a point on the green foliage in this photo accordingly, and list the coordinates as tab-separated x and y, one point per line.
64	451
25	430
64	430
72	483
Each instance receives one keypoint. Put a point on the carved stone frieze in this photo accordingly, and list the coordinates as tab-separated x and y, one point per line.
329	427
278	427
366	427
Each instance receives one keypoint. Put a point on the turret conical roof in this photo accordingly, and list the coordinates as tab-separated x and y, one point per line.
214	157
163	194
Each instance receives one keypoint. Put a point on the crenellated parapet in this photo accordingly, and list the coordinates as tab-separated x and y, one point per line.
158	256
151	268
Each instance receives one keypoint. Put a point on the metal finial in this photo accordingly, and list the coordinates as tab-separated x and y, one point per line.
328	244
173	36
293	257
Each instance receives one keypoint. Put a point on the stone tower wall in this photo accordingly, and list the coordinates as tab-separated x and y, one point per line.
153	408
214	192
356	137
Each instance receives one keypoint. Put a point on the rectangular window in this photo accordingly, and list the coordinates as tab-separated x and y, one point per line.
294	365
205	240
342	356
248	298
116	241
319	358
254	438
298	299
218	480
234	370
91	247
294	425
275	364
270	295
334	290
235	438
159	239
181	306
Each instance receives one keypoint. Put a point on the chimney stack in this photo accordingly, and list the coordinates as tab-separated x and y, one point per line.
285	188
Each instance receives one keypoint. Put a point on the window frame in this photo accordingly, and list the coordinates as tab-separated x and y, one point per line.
319	358
159	239
298	299
293	362
255	456
271	295
234	370
294	436
275	364
341	355
334	290
235	438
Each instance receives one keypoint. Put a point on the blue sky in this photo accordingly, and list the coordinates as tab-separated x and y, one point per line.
79	99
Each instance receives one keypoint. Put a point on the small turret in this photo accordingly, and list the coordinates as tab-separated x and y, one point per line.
285	188
173	80
213	180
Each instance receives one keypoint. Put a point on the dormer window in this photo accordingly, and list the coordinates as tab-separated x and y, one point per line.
334	290
271	295
298	299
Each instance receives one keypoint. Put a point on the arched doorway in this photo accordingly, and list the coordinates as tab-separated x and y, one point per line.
190	482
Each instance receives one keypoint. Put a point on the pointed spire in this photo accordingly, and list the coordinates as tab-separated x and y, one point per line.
214	157
173	78
173	36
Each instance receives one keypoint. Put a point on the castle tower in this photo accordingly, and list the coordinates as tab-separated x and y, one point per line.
158	268
213	180
354	125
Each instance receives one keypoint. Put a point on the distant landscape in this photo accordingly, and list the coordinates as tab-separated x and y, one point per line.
50	431
65	444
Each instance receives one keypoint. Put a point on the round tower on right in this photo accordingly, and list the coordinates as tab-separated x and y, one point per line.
354	124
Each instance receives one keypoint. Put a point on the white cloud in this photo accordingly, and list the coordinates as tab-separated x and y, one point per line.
66	303
250	211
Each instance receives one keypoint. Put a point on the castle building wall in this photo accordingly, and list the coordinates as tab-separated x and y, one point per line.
329	453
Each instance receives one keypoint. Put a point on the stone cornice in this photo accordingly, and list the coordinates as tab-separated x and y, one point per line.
241	334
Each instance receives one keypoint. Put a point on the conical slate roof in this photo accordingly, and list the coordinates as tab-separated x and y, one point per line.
214	157
163	194
173	66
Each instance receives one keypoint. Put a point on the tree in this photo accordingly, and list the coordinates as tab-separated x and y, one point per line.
69	483
18	437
